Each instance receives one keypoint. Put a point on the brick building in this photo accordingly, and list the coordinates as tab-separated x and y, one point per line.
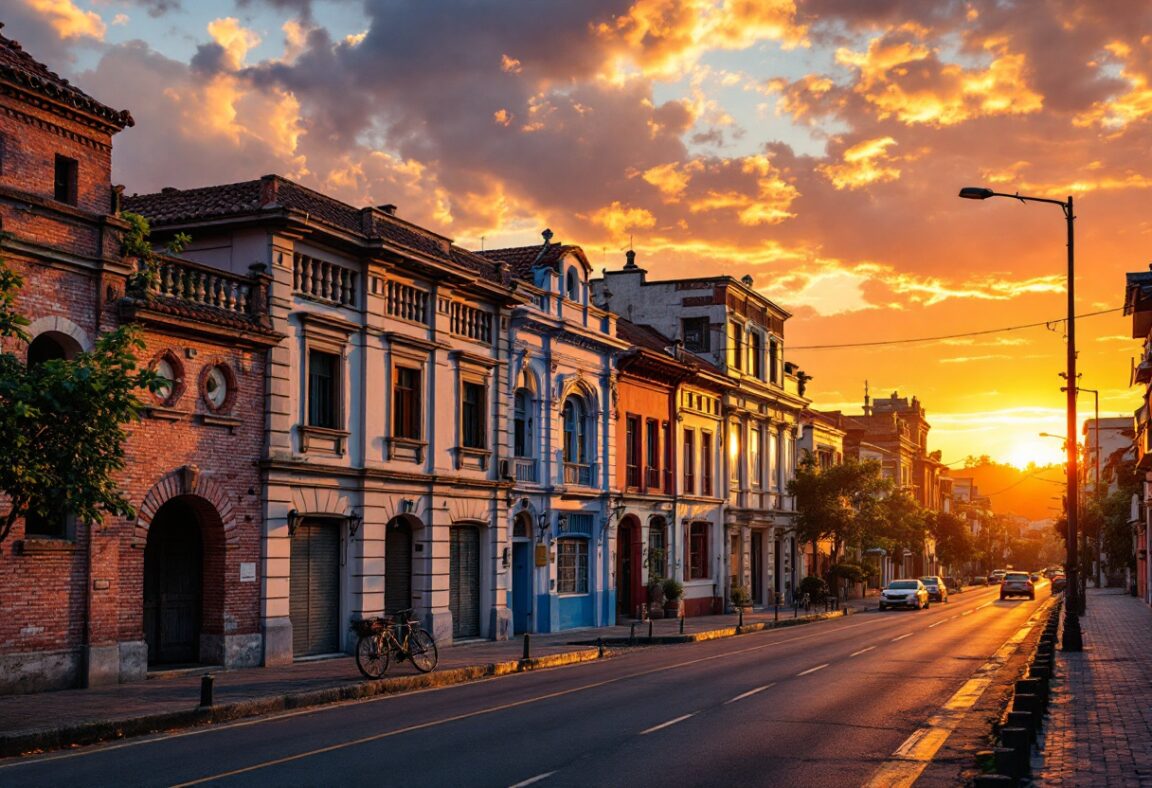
93	603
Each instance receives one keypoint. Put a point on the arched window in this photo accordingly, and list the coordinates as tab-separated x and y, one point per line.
575	430
49	346
573	285
523	440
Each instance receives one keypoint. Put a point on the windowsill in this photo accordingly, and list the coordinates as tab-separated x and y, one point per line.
165	414
406	449
323	440
220	421
32	545
568	594
469	458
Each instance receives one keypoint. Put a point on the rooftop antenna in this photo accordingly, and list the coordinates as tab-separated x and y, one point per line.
867	400
482	242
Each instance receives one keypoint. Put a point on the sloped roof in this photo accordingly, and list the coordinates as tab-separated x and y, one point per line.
643	336
273	194
22	70
522	260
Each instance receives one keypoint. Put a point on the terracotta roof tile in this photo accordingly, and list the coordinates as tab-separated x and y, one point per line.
273	194
21	69
523	259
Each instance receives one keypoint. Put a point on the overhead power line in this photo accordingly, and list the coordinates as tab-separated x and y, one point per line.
951	336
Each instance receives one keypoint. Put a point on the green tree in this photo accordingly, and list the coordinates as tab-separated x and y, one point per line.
62	421
954	544
832	503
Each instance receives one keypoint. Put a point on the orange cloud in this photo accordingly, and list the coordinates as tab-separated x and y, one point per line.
617	219
666	38
69	21
864	163
235	39
510	65
903	78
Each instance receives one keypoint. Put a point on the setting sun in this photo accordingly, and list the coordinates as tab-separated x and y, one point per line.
1035	450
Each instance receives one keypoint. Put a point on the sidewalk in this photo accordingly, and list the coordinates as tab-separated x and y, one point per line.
1099	731
50	720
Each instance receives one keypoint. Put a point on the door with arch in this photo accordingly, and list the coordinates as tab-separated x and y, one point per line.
398	565
628	569
464	581
173	585
522	573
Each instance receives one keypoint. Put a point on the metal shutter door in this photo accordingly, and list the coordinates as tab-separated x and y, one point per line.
464	582
397	568
314	590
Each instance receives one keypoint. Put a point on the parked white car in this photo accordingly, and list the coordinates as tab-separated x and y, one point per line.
904	593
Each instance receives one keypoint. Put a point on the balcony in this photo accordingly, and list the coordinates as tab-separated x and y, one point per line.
1143	440
632	476
578	473
525	470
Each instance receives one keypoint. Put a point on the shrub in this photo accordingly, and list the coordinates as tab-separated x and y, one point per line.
741	596
814	587
673	589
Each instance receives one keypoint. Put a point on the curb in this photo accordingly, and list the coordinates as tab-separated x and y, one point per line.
29	742
717	634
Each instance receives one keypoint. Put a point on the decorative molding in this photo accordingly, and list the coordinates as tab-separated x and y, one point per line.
186	480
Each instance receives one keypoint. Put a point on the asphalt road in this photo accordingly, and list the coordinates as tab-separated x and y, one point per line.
823	704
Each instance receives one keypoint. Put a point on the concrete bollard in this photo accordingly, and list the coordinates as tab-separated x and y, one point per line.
1030	704
1018	740
1006	762
600	648
1021	719
1038	671
206	682
527	646
1035	687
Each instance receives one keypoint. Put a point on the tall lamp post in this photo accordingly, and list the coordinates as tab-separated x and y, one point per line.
1073	637
1096	462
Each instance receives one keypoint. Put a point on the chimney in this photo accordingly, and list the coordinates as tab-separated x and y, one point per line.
169	190
746	280
269	186
388	208
547	234
631	264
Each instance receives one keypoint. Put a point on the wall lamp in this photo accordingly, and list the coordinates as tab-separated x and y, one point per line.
294	520
355	520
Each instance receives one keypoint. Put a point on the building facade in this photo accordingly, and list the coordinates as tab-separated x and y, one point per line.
729	326
97	603
564	405
382	485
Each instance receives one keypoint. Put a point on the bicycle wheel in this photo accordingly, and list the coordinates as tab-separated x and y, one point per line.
422	651
372	656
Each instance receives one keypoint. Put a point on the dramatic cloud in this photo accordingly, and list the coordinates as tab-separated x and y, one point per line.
69	21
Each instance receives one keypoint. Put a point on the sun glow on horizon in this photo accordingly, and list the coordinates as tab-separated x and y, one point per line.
1035	450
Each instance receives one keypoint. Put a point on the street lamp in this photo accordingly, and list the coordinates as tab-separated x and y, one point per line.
1073	637
1095	462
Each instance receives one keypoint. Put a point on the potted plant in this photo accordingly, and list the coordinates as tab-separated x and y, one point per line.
741	597
656	597
673	591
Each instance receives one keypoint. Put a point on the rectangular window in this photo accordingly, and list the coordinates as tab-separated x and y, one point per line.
652	454
735	455
689	462
756	351
773	461
695	331
323	389
667	430
657	551
45	527
755	457
737	345
632	451
406	404
698	551
473	432
705	463
65	185
572	566
773	360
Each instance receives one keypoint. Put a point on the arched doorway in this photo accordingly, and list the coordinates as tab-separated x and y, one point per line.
464	581
628	574
521	573
314	587
173	585
398	565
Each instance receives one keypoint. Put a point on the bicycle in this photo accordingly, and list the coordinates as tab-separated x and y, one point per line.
398	635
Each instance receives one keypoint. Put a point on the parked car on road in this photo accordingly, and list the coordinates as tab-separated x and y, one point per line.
996	576
1059	582
904	593
1017	584
937	588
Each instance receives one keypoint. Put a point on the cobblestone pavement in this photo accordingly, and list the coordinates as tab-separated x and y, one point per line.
1099	732
180	691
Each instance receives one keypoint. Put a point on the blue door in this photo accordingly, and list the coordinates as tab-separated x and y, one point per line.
521	586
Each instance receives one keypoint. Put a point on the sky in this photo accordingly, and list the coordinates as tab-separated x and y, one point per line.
816	145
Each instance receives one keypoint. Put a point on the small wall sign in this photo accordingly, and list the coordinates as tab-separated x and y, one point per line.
248	572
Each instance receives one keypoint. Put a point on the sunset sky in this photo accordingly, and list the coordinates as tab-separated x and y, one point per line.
817	145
